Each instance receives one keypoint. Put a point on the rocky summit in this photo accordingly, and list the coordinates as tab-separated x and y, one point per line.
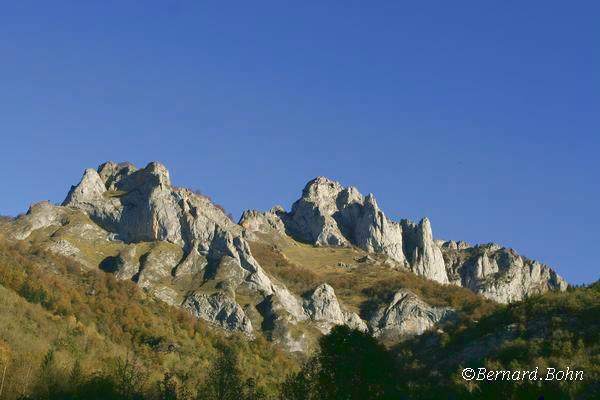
328	214
333	259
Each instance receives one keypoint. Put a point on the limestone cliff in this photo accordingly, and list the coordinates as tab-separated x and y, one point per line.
498	273
407	314
328	214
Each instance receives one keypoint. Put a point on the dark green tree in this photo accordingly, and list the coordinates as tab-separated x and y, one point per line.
167	388
351	365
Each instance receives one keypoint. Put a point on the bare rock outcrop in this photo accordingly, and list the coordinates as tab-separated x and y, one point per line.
373	231
39	216
219	309
498	273
424	254
407	315
322	306
312	218
328	214
156	266
268	222
141	205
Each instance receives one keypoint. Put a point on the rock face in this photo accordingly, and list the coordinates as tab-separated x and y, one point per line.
256	222
425	256
498	273
219	309
141	205
39	216
320	309
322	306
407	314
329	215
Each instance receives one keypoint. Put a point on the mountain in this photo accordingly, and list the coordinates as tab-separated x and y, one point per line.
132	277
333	259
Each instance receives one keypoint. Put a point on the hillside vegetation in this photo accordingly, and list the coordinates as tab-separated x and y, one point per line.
62	325
67	332
556	330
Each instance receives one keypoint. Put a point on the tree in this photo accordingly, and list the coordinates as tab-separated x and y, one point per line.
251	391
5	356
302	385
130	377
100	387
351	365
224	381
167	388
47	379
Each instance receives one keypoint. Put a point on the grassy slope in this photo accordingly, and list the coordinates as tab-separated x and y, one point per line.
360	286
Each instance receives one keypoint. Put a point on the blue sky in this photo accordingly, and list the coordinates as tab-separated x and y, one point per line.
483	116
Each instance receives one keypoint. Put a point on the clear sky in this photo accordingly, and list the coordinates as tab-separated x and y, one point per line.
482	115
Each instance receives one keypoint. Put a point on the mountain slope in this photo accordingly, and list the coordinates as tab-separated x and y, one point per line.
57	317
546	347
335	258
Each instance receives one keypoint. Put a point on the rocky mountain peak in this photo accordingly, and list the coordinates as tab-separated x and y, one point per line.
111	173
321	187
185	251
328	214
91	187
370	200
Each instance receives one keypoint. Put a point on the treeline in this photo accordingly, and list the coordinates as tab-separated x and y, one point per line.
128	379
350	365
